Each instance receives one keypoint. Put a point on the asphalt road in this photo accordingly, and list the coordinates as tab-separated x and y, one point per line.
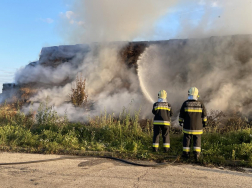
95	172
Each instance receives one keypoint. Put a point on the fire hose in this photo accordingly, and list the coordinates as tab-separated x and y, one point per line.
105	157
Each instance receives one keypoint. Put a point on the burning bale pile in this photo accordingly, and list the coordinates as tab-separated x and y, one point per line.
59	65
122	74
9	86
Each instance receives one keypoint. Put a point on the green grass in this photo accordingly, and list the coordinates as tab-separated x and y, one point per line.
126	136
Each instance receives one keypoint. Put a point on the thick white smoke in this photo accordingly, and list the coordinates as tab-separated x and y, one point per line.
44	75
120	20
110	84
215	18
219	67
113	20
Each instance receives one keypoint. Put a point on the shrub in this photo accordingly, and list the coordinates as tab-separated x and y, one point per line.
48	119
79	95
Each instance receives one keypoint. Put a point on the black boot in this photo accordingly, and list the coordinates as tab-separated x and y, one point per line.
196	156
186	155
166	150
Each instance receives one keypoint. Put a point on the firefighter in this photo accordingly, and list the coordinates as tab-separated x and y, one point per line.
193	118
162	111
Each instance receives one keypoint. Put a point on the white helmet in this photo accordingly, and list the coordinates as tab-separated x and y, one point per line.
193	91
162	94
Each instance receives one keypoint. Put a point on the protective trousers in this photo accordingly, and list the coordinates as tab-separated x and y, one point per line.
165	134
196	144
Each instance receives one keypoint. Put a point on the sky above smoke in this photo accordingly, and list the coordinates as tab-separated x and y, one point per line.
120	20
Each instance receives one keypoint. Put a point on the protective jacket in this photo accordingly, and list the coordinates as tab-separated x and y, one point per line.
162	112
194	116
162	121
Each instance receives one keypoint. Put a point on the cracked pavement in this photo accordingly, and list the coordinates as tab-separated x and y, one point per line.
97	172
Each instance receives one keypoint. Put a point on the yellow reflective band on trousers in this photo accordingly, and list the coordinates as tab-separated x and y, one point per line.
166	145
192	131
197	149
186	149
188	109
162	108
155	145
157	122
205	119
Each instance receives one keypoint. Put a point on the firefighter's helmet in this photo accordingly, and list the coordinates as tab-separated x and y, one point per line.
193	91
162	94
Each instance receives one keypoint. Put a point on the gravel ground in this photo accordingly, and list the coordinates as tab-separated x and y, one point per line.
95	172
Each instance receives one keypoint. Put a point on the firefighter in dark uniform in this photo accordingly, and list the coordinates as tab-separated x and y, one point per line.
193	118
162	121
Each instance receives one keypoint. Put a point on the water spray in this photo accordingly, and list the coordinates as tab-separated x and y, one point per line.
140	74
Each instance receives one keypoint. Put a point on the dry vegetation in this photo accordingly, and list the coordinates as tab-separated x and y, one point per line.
226	140
79	95
27	93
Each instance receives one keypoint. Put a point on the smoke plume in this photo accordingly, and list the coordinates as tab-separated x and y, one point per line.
219	66
116	20
110	84
215	18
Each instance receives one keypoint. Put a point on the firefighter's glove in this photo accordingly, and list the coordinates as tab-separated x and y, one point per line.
181	124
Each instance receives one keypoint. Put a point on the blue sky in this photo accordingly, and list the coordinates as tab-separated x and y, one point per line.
25	27
28	25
